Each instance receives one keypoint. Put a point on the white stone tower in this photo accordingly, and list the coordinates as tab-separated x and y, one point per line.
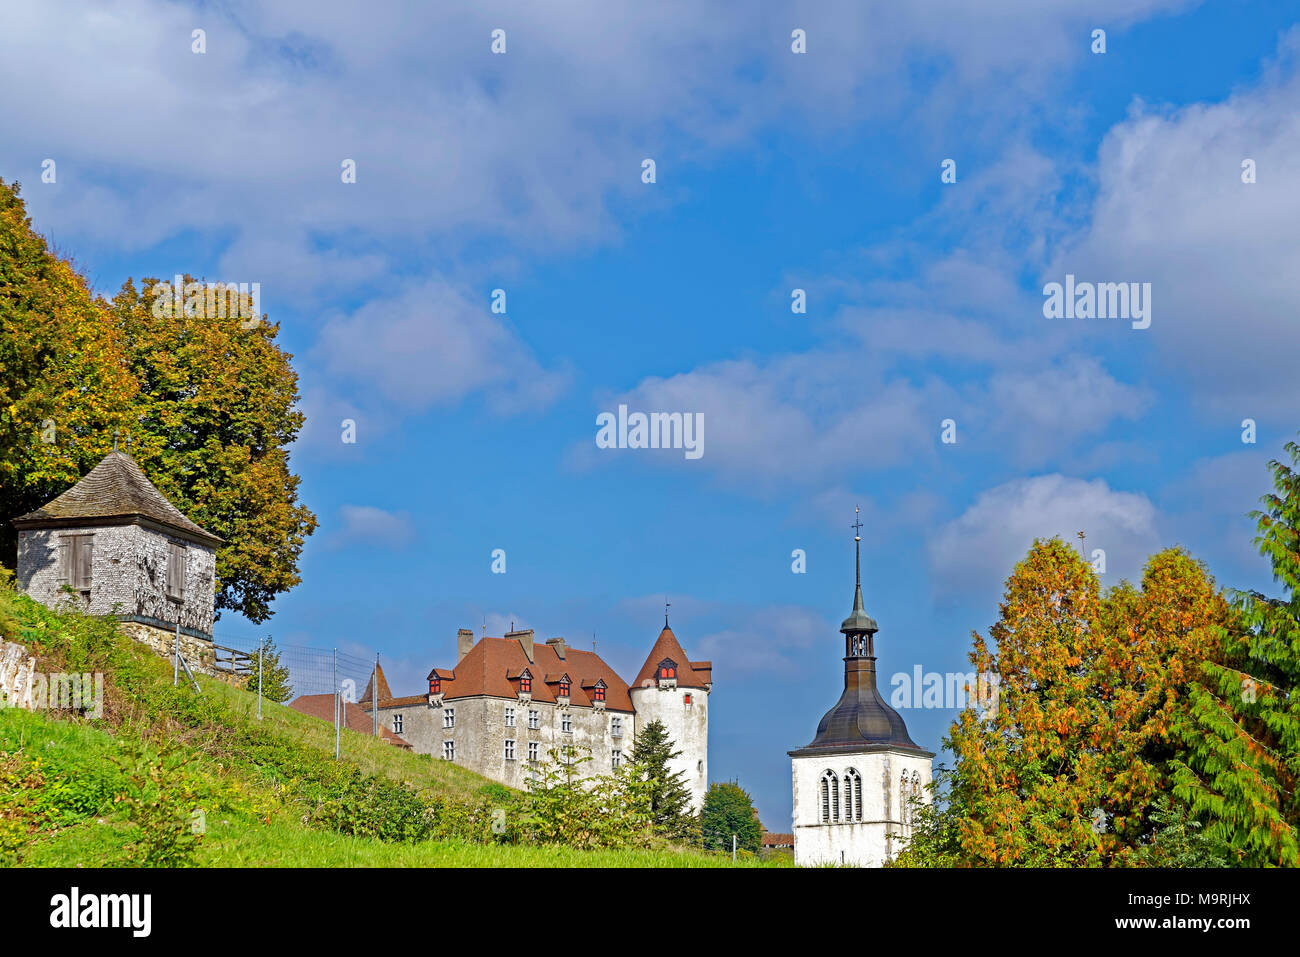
675	690
854	783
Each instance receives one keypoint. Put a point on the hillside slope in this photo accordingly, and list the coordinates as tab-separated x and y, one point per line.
133	786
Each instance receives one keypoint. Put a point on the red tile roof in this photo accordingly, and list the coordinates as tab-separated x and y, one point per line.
777	840
492	667
322	706
690	674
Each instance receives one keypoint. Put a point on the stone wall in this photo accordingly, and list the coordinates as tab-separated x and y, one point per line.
16	670
128	574
480	734
198	652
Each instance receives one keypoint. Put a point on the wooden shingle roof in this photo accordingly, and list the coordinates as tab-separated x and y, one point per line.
114	491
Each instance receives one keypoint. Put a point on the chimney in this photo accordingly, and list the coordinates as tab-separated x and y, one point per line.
558	645
464	642
525	638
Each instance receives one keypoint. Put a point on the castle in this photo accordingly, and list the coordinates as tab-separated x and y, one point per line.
509	701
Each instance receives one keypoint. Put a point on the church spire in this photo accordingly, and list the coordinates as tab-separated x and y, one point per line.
859	627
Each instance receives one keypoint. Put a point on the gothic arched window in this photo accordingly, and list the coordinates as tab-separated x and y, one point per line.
852	795
904	807
830	797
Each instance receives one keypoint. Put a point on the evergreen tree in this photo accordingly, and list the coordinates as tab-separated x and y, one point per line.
669	799
729	810
275	676
1243	735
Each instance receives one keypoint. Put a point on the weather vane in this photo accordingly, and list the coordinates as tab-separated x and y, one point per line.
666	604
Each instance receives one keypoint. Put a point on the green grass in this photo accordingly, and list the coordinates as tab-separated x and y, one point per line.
372	755
234	842
271	793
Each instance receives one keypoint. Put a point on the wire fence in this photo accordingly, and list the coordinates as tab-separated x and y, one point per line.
322	682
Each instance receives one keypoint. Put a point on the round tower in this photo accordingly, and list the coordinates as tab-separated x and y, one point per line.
675	690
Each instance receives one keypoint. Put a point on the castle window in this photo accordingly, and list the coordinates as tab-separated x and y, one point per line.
852	795
449	717
77	557
534	719
435	685
616	757
510	750
830	797
564	687
566	722
667	670
688	698
449	750
397	724
616	727
510	717
532	750
175	570
598	693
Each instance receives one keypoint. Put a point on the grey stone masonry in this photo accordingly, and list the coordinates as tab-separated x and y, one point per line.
128	574
114	545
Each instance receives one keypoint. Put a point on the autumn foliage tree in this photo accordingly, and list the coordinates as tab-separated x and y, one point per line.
207	400
213	418
1066	770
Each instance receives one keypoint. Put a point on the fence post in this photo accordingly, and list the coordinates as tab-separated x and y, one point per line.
338	705
176	656
259	679
733	848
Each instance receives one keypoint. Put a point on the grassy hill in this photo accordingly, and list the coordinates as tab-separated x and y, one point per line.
125	789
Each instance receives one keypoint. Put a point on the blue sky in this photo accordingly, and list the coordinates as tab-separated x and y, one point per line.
775	171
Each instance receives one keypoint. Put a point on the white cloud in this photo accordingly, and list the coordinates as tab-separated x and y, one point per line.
428	345
975	552
367	525
1221	255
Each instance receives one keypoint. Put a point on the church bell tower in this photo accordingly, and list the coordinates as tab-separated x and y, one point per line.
856	781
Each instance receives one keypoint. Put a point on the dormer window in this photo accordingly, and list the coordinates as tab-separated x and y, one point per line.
667	670
435	684
526	683
564	687
598	692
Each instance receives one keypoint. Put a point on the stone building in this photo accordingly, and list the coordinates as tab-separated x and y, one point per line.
510	701
855	782
113	545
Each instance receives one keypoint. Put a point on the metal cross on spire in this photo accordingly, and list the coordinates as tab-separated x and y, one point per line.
857	543
667	603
